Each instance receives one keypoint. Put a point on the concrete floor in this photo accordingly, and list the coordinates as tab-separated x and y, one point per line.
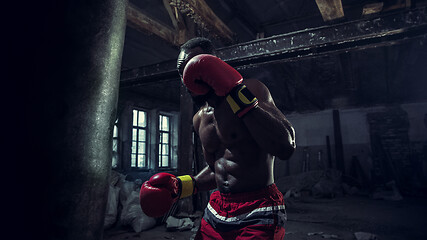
339	218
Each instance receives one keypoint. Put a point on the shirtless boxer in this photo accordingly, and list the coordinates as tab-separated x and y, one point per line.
241	131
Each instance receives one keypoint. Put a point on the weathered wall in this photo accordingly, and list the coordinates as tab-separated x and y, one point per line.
312	131
313	128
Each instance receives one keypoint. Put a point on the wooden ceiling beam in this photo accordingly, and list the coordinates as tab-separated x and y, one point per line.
372	8
386	30
198	10
174	16
203	15
177	21
143	23
330	9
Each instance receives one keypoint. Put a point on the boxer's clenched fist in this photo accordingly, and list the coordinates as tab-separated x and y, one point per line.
162	190
204	72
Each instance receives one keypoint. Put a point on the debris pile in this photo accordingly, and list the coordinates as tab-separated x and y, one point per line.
123	205
365	236
331	183
179	224
322	184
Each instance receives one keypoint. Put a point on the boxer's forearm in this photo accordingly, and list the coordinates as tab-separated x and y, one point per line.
205	180
271	131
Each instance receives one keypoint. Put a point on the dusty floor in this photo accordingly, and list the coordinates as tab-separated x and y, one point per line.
315	219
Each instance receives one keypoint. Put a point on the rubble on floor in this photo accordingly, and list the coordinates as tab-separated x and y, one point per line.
319	183
365	236
344	218
179	224
123	207
387	192
133	215
320	205
329	184
124	210
327	236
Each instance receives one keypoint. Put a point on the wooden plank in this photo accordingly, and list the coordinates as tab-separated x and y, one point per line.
203	15
330	9
396	4
178	23
386	30
172	13
372	8
141	22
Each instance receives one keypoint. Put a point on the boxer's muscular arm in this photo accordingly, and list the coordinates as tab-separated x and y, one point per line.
205	179
267	124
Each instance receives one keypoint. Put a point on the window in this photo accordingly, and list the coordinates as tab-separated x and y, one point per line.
164	142
139	139
153	140
115	159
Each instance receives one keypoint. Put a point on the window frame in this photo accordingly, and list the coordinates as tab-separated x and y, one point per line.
159	162
146	163
116	145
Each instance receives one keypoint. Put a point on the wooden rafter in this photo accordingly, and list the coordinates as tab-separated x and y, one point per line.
388	29
173	14
330	9
203	15
372	8
177	21
396	5
141	22
198	10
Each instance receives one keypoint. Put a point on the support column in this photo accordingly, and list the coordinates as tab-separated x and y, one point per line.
185	144
185	147
339	149
80	92
185	151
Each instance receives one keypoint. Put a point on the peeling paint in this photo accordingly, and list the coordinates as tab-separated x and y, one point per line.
362	34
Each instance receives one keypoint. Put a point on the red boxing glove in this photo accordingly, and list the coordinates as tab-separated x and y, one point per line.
205	71
162	190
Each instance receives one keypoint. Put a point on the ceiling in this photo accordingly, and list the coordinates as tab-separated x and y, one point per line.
391	72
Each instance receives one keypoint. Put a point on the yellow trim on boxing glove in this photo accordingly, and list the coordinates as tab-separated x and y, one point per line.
233	104
187	186
244	94
241	100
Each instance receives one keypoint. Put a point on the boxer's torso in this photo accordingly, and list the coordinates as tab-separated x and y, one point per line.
239	163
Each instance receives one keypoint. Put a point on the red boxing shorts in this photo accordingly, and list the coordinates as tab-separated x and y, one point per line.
251	215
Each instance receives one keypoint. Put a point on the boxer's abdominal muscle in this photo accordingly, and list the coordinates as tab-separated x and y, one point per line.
240	165
243	174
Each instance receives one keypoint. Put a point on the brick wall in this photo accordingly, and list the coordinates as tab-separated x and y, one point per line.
391	147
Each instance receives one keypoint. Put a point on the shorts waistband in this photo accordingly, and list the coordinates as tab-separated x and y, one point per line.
247	196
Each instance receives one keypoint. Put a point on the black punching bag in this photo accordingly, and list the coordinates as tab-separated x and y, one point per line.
82	64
